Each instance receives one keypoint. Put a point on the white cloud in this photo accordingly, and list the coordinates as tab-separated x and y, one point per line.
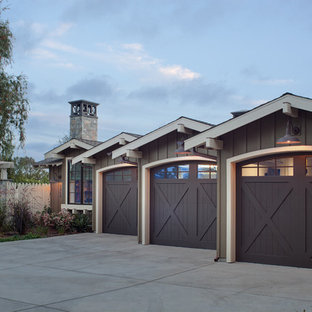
133	46
178	72
133	57
61	29
127	56
55	45
40	53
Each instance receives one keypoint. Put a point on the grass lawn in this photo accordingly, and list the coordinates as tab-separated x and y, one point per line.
20	237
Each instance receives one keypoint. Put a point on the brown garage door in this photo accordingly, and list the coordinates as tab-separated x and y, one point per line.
120	201
274	211
183	205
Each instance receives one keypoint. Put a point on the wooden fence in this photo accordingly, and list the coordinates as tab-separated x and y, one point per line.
36	195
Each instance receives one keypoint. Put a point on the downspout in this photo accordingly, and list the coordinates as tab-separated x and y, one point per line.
139	237
218	243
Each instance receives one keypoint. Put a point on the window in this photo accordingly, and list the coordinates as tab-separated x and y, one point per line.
270	167
79	184
309	166
173	172
120	175
206	171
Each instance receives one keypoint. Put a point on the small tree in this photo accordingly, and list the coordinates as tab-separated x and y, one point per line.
14	105
25	172
21	216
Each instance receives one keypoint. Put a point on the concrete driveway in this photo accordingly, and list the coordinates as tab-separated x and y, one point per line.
91	272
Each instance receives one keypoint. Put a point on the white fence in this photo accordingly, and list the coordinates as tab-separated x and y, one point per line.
36	195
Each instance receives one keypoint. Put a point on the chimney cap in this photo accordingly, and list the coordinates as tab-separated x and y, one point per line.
83	102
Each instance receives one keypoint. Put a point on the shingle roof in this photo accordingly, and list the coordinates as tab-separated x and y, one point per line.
48	162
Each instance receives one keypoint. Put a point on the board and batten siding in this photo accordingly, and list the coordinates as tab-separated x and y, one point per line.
159	149
162	148
103	160
258	135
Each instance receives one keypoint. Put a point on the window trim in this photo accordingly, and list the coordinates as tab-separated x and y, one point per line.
255	164
81	184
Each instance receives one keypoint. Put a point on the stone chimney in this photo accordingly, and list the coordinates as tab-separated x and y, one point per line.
83	120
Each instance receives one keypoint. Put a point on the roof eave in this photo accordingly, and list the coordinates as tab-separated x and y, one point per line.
73	143
104	146
153	135
258	112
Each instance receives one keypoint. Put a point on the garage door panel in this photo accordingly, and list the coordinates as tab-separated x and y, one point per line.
265	244
274	216
206	213
308	223
270	205
208	236
172	213
183	208
173	229
120	202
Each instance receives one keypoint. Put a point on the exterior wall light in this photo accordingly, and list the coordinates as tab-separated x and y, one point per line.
289	137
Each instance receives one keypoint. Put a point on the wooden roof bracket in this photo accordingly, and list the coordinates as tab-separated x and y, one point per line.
214	144
122	141
88	160
289	110
134	154
182	129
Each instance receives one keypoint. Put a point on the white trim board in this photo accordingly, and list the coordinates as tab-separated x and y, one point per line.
76	207
73	143
103	146
231	190
6	164
255	114
99	193
145	178
173	126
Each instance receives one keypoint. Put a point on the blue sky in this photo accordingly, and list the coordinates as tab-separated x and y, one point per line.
149	62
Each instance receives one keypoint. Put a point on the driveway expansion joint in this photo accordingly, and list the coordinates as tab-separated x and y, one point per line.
127	287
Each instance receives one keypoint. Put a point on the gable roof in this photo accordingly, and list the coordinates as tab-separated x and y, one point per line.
153	135
127	137
295	101
73	143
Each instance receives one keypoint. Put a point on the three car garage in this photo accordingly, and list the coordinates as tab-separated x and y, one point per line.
257	207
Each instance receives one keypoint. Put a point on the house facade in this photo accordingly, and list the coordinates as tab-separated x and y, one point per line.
242	187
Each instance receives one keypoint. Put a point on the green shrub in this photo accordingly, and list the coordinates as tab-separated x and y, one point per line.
82	223
31	235
40	230
62	221
21	216
19	237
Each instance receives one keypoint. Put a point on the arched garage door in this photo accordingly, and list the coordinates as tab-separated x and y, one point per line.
274	211
120	201
183	205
